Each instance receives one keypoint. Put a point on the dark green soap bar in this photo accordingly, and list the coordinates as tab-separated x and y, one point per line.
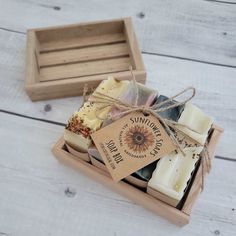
146	172
171	114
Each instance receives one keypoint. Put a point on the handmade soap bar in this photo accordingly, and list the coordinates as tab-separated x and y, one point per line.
85	121
173	172
171	114
193	117
145	96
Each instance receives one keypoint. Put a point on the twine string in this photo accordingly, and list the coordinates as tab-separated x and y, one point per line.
170	126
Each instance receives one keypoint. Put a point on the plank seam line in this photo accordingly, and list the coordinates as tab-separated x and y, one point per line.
187	59
85	61
63	124
217	1
225	158
46	51
13	31
152	53
72	77
32	118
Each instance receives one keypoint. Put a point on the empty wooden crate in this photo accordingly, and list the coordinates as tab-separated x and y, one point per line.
61	60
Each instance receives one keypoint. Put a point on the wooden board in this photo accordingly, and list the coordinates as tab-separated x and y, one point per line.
83	54
76	53
75	43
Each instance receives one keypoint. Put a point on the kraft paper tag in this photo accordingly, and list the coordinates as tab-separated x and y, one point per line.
132	142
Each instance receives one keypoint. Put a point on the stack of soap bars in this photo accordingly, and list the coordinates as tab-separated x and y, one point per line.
166	179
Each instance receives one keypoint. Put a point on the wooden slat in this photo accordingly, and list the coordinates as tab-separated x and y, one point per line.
83	54
83	29
85	68
133	45
82	42
32	70
74	86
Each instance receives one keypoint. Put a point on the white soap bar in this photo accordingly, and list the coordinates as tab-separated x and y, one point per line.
173	172
194	118
76	141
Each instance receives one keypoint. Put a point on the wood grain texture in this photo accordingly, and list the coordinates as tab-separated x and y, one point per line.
43	197
84	69
32	70
215	88
132	43
83	54
82	42
198	30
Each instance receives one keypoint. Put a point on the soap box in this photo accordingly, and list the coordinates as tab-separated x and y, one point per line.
179	215
61	60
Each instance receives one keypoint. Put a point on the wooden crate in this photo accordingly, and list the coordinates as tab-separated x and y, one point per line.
179	215
61	60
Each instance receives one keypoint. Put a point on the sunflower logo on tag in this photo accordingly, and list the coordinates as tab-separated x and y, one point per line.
139	139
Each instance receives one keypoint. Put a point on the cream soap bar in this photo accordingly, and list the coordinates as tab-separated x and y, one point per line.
85	121
173	172
193	117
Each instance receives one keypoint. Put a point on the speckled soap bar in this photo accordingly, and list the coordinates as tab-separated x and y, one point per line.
85	121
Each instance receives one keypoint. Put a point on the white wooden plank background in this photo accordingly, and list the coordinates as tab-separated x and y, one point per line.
184	42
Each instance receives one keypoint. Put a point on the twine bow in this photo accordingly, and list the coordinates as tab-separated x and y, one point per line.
170	126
